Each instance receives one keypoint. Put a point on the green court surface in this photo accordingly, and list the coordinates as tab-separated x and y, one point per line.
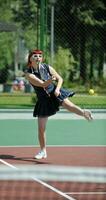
59	132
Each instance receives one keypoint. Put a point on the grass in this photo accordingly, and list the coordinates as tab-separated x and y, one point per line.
90	101
16	100
19	100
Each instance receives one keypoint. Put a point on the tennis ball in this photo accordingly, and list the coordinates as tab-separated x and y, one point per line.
91	92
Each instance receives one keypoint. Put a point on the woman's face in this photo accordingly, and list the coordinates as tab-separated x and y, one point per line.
36	58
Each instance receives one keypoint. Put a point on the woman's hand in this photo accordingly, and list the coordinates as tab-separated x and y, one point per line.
57	92
53	78
46	83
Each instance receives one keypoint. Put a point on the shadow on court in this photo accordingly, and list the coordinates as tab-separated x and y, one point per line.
26	159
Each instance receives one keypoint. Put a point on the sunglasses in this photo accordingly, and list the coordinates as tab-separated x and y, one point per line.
35	56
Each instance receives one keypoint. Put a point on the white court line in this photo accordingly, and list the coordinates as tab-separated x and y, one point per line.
86	193
41	182
60	116
7	164
53	145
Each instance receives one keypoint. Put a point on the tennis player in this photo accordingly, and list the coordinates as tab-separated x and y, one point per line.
47	84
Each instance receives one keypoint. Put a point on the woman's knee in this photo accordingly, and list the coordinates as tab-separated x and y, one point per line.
41	129
67	103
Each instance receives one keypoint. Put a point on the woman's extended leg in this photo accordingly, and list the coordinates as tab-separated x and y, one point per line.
42	137
67	104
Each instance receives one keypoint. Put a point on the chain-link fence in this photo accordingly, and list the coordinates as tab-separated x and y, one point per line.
71	34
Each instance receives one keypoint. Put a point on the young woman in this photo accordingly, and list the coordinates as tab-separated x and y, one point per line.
50	95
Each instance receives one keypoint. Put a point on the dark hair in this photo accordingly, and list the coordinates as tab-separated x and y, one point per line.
36	51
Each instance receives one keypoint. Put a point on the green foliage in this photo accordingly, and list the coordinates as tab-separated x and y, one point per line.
6	39
25	14
64	63
29	100
6	52
5	11
30	38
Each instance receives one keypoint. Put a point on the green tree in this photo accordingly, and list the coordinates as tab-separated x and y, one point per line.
23	15
6	41
86	18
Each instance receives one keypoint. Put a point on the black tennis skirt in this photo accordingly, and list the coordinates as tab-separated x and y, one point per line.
48	105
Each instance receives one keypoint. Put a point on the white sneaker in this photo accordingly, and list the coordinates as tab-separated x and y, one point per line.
41	154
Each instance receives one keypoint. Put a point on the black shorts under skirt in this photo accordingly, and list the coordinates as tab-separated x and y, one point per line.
48	105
